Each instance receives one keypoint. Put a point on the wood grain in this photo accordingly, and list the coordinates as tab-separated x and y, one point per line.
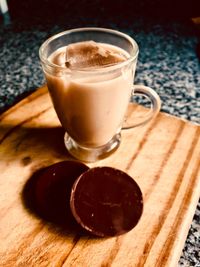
163	157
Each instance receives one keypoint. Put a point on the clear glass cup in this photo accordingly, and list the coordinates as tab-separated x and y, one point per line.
91	103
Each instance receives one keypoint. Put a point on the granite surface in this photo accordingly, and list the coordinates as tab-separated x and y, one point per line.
168	62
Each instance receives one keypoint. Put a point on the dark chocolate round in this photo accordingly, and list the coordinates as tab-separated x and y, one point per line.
106	201
53	190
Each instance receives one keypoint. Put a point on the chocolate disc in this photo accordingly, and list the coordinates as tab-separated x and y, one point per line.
53	190
106	201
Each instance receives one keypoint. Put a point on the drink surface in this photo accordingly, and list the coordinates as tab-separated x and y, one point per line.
88	55
90	104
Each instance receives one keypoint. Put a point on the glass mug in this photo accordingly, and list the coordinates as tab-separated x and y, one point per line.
91	103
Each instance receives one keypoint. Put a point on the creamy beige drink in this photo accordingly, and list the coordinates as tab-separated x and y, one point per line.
90	104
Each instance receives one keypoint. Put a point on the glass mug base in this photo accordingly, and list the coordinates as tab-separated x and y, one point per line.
91	154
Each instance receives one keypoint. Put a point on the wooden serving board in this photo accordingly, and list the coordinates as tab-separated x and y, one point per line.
163	157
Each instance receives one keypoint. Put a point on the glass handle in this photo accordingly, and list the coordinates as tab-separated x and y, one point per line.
153	97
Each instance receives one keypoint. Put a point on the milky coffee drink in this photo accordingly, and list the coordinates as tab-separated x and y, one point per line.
90	102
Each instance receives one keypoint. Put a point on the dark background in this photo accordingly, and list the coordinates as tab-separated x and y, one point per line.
33	12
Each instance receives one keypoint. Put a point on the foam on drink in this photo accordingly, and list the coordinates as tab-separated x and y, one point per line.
90	54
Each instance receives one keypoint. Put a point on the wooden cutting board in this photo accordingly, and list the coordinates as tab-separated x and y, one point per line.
163	157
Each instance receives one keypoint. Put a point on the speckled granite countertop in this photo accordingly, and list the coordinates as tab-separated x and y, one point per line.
168	62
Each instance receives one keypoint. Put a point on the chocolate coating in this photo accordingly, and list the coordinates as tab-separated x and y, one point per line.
53	190
106	201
